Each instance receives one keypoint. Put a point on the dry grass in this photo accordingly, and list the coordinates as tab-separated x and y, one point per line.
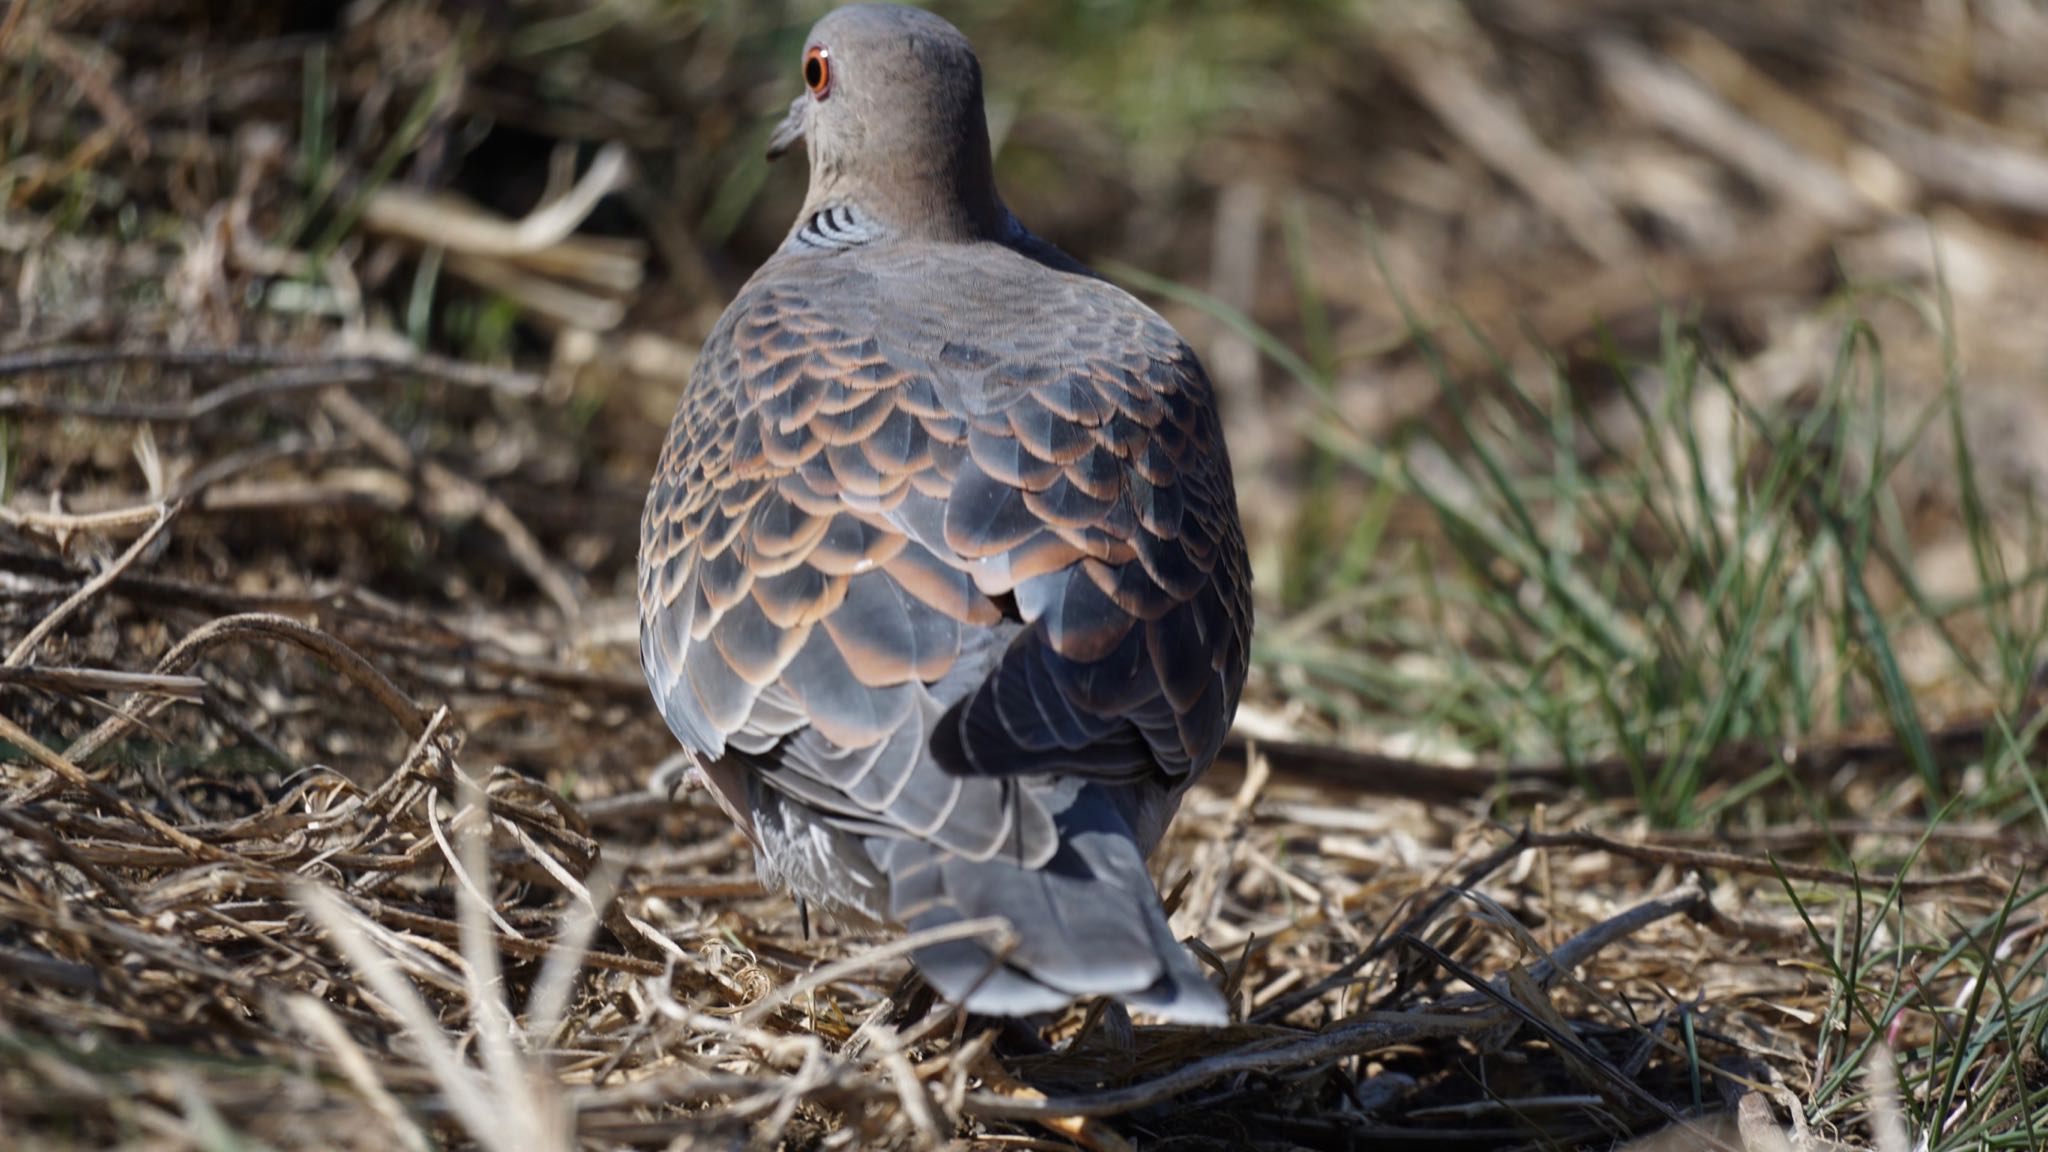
289	955
324	756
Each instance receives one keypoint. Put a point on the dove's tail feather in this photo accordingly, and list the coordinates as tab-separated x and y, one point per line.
1087	923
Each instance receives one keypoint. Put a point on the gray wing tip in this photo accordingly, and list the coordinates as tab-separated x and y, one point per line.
1182	995
1177	997
968	973
1088	925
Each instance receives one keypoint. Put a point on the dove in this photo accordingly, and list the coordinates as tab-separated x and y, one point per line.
941	578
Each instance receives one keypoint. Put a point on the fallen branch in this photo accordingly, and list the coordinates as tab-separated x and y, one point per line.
1373	773
1701	858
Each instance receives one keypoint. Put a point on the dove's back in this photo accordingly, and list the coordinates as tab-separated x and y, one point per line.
943	564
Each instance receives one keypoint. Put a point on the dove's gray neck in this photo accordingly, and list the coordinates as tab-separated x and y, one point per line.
927	175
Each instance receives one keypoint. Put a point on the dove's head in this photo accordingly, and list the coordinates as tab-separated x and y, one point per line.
892	119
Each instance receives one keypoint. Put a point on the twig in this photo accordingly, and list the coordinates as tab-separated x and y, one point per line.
1797	835
1366	1033
1489	123
1687	899
1086	1131
1986	171
400	919
446	222
188	689
993	928
910	1090
1693	111
539	297
1479	870
1197	910
433	367
1580	1055
77	777
351	933
469	884
1370	1032
318	1022
203	490
93	587
97	86
1760	866
23	821
47	971
265	385
1375	773
402	631
10	23
61	523
462	492
345	659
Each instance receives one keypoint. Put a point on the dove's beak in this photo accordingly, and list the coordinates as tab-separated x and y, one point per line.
791	129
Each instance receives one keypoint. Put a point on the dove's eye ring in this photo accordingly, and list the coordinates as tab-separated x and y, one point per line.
818	71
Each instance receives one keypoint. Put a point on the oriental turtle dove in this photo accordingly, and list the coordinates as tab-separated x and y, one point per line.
941	576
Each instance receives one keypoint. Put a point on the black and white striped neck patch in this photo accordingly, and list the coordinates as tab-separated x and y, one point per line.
837	226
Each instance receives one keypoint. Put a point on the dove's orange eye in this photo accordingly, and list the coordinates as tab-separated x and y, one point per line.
818	71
